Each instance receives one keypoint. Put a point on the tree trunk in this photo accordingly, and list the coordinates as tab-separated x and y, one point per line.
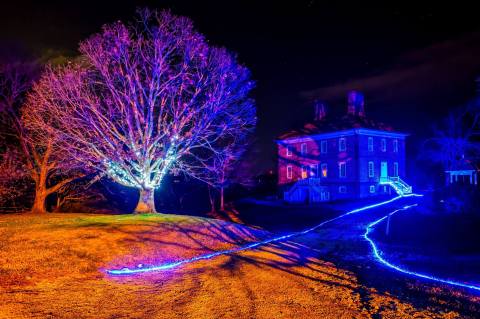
39	204
211	197
146	202
222	202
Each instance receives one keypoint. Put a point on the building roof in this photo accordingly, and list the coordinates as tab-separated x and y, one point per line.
334	124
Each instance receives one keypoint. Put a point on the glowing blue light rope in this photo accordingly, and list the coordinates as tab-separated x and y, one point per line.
170	265
378	255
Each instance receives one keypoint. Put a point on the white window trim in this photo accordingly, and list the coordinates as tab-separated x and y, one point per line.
322	149
372	189
289	171
395	169
289	150
371	173
395	146
314	170
304	172
342	141
383	145
326	169
303	149
340	164
370	144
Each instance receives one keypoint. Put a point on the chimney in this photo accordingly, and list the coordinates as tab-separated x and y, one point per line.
320	110
355	104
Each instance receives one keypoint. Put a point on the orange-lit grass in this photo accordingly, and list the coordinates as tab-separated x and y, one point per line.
50	267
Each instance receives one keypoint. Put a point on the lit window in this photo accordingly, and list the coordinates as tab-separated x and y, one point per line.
313	170
395	169
289	171
342	145
370	144
342	189
324	168
383	145
323	147
372	188
289	150
304	148
395	146
342	169
304	172
371	169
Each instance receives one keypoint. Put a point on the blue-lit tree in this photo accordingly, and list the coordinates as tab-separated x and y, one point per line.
143	100
457	138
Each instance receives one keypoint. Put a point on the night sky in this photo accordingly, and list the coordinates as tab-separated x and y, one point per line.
413	63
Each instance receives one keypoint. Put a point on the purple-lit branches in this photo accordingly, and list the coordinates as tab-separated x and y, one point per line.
34	151
143	100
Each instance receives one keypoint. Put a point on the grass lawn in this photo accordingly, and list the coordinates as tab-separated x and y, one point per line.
52	267
445	245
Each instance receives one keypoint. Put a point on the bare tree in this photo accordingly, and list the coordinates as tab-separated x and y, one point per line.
457	138
45	166
143	100
222	169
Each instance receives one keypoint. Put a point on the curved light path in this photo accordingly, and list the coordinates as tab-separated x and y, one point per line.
378	255
170	265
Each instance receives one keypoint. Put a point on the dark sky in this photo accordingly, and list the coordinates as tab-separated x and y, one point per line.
413	62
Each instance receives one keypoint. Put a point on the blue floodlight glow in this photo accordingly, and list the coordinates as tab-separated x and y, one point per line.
378	256
170	265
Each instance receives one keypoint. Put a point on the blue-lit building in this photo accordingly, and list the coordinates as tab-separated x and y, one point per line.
341	157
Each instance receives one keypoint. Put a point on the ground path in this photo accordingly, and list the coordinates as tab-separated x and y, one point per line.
49	268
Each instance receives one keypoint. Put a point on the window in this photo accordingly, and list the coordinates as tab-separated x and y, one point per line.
342	145
289	150
324	169
323	147
383	145
304	172
372	188
303	149
371	169
313	170
395	169
289	171
342	189
370	144
395	146
342	169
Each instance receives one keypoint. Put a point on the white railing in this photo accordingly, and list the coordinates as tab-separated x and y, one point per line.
399	185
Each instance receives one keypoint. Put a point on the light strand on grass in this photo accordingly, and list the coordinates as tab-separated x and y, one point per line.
170	265
378	256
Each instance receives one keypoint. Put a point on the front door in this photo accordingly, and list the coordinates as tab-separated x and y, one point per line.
383	170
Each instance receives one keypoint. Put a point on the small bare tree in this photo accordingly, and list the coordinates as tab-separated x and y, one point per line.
222	170
144	99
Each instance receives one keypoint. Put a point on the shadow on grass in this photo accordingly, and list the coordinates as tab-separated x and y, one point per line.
304	257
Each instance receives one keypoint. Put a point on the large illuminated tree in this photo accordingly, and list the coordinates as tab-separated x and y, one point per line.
143	100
